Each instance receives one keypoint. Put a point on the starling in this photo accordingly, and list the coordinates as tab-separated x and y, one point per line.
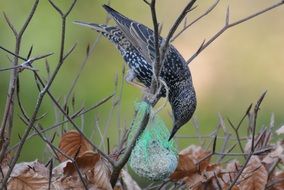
135	42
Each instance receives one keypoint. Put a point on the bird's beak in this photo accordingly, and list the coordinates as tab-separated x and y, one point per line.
174	130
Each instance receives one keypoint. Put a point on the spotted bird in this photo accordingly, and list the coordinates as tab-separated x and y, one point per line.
135	42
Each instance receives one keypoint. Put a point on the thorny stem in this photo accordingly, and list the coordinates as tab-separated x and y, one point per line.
7	122
78	114
72	122
41	94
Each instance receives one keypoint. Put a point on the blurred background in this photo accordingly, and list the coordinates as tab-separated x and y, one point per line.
229	75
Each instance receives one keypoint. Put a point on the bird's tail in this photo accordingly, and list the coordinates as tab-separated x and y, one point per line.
118	17
110	32
98	27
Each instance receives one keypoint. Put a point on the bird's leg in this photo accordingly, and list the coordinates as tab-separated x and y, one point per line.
130	78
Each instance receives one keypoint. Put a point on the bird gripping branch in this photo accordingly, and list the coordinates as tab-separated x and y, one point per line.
135	42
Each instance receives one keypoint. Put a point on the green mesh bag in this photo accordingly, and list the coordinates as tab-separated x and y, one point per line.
153	156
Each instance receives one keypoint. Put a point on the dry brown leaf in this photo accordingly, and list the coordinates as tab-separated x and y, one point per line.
101	175
204	180
277	181
71	142
254	176
226	186
261	140
185	167
271	158
84	162
231	171
126	182
71	183
212	175
194	182
189	162
59	170
93	168
29	176
5	165
210	179
280	130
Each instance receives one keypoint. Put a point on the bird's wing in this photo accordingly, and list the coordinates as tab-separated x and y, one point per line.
140	36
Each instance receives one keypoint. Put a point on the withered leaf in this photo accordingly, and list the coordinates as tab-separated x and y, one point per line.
261	140
231	171
276	155
29	176
93	169
84	162
71	142
191	160
58	170
254	176
70	182
5	165
101	175
194	181
126	182
278	181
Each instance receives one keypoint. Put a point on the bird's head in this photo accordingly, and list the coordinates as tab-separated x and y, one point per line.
183	103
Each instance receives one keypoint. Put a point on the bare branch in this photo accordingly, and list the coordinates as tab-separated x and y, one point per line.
227	22
73	117
156	68
70	51
212	7
28	20
255	113
10	24
173	29
7	122
227	26
145	1
120	164
10	52
236	129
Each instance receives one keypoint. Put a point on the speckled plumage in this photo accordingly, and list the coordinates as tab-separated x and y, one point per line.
136	45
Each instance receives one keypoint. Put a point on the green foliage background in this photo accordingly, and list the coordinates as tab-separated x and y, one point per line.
228	75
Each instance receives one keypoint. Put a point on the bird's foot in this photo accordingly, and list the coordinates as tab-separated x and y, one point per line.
131	79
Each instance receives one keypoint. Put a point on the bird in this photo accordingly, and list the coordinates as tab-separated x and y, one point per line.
135	42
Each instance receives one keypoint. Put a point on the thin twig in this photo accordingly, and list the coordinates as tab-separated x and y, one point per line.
157	64
7	121
72	122
228	25
101	102
212	7
173	29
41	95
253	145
